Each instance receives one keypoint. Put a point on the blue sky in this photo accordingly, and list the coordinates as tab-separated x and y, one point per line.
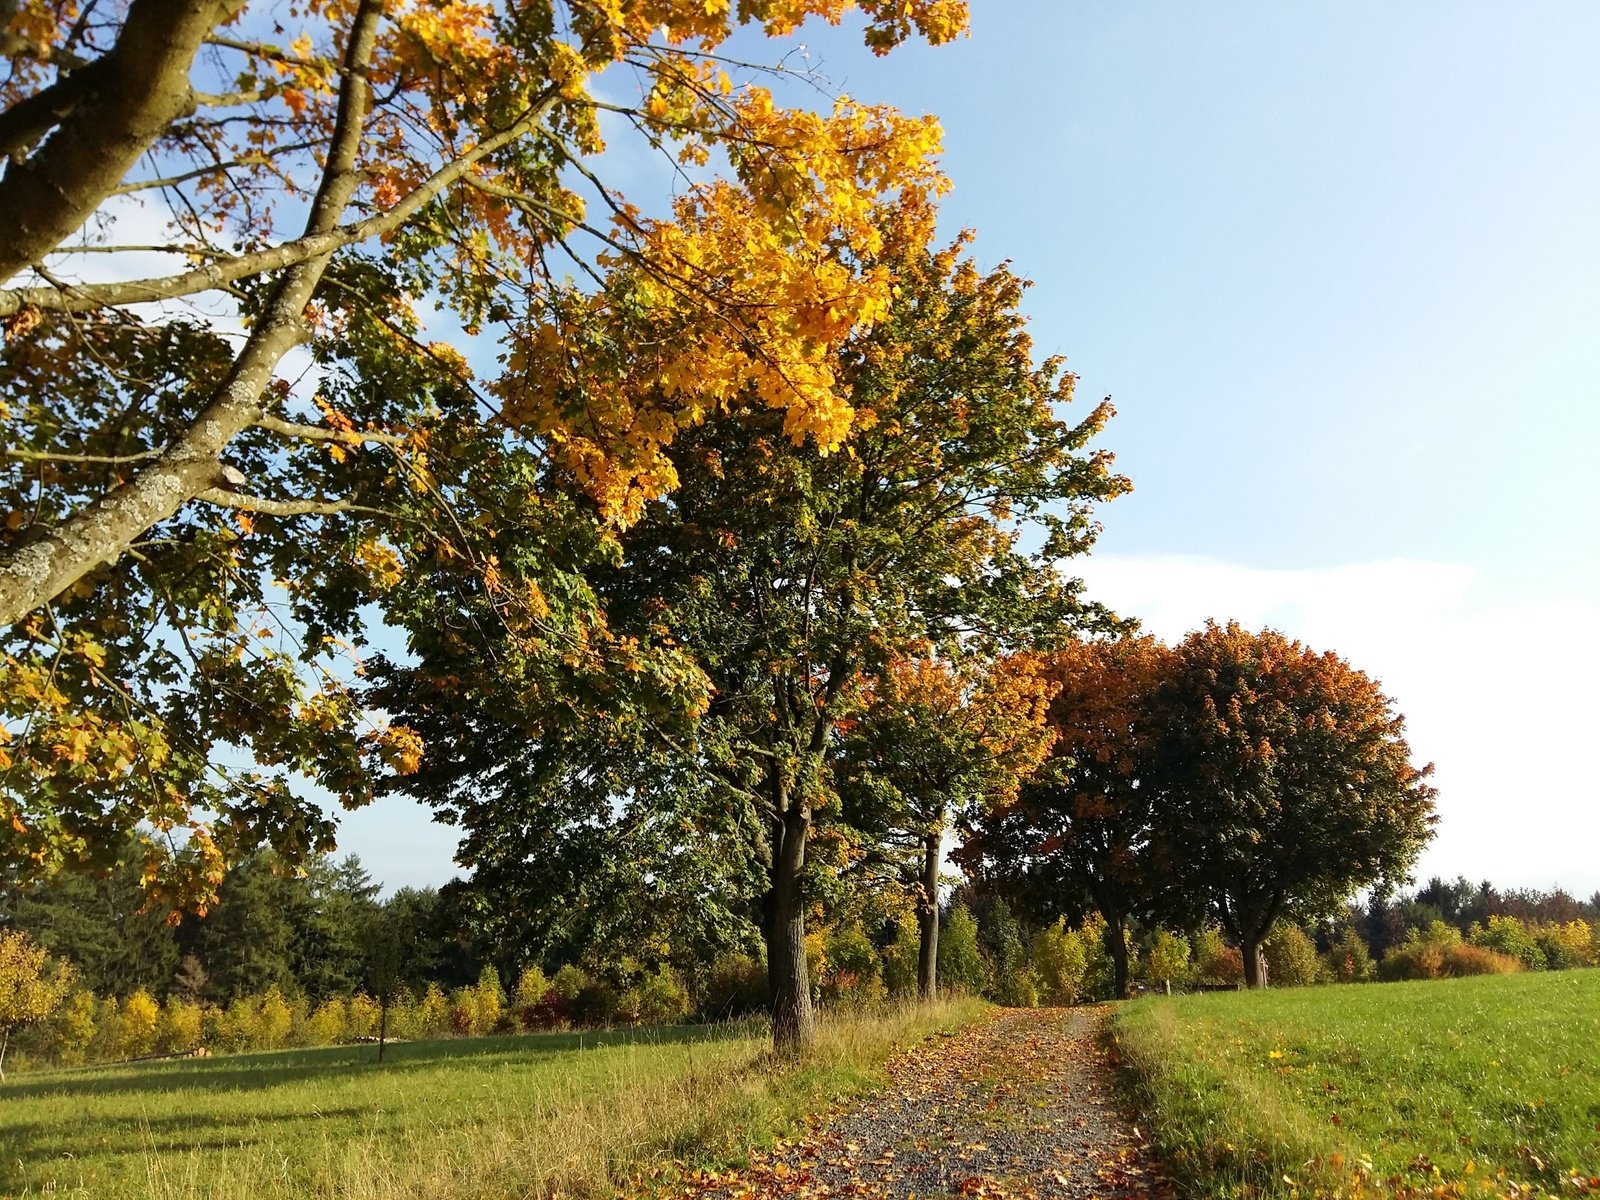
1339	267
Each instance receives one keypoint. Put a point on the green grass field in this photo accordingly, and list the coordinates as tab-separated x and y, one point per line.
490	1117
1470	1087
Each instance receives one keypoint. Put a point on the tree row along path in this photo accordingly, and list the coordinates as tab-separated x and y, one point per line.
1020	1104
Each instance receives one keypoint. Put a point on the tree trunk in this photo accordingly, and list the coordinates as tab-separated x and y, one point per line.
793	1023
1250	947
383	1024
5	1040
928	918
132	94
36	573
1117	943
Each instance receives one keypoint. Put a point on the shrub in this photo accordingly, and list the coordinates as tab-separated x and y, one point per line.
405	1015
598	1003
735	986
273	1019
1433	960
961	966
1509	936
1011	979
662	998
489	1003
362	1015
1060	963
902	958
1169	957
531	988
180	1026
1292	958
236	1027
74	1032
1100	977
853	976
434	1012
107	1042
1349	961
140	1016
1565	946
326	1026
1216	962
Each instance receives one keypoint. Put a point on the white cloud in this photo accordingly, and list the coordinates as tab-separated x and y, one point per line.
1503	696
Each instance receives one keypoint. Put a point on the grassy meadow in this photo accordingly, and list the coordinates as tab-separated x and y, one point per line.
1486	1086
487	1117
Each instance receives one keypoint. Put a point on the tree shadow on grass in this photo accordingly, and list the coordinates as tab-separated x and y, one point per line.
137	1137
251	1072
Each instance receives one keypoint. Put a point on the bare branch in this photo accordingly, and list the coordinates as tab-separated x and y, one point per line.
43	456
321	433
284	508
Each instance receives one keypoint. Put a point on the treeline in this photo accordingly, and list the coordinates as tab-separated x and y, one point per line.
318	959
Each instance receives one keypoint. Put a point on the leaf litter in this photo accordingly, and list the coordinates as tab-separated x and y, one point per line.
1019	1106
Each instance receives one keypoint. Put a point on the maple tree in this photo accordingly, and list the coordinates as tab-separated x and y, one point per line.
788	576
936	737
1285	781
194	518
1087	825
796	575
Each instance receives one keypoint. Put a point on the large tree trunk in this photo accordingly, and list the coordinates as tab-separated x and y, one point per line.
928	918
34	574
110	112
793	1023
1117	943
1250	947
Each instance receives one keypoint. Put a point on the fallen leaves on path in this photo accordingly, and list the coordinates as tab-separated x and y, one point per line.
1016	1107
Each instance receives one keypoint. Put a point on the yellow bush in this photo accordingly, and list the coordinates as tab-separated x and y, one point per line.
1169	957
434	1016
362	1021
1061	961
179	1029
326	1025
272	1020
489	1004
138	1031
75	1028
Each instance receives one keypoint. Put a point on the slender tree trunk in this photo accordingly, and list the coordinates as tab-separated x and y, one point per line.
5	1040
928	918
1117	943
793	1023
383	1024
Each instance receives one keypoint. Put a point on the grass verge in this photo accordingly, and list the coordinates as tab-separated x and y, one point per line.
528	1116
1478	1087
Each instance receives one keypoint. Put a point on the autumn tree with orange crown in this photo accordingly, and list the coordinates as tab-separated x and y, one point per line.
228	430
936	738
1284	781
1080	836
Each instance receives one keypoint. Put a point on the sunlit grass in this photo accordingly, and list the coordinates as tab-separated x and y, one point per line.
515	1116
1461	1087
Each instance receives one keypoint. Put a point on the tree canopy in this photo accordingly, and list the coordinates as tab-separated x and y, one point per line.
790	576
228	438
1081	835
933	739
1285	779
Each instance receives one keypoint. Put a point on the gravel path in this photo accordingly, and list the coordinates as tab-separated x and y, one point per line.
1019	1105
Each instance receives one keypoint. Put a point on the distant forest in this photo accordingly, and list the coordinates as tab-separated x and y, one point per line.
312	935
